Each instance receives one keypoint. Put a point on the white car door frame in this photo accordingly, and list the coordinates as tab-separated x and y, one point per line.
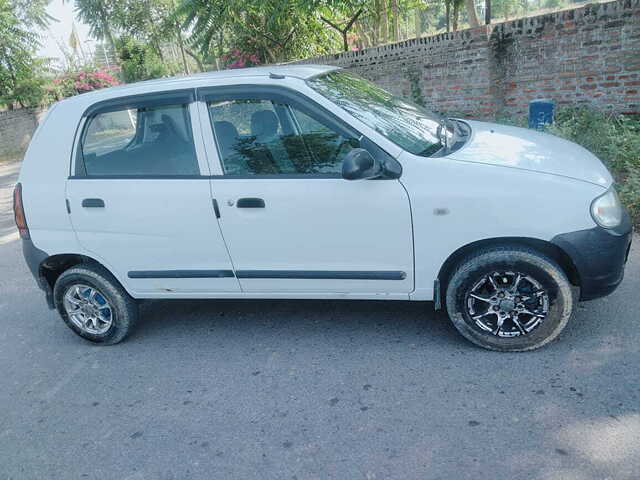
318	234
158	234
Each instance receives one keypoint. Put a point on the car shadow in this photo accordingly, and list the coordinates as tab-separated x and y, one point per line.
391	320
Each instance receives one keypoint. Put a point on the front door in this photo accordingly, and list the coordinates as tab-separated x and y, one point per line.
291	222
140	200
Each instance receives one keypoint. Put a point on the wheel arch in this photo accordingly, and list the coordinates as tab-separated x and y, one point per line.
53	266
547	248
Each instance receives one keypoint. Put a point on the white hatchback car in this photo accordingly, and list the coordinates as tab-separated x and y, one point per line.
311	182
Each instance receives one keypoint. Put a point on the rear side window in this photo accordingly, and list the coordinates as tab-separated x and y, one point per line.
110	131
139	142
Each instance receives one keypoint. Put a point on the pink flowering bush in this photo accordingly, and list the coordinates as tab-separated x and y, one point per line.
84	81
238	59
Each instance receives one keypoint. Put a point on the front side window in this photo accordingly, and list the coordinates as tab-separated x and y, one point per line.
265	137
140	141
406	124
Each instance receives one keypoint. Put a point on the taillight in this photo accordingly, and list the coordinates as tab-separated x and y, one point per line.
18	212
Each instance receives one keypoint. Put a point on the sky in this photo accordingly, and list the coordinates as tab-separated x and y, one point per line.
60	31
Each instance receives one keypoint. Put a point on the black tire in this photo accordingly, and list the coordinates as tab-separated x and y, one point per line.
123	308
559	298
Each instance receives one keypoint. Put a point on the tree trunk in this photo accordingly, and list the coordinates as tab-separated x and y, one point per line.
158	49
365	39
104	20
471	11
375	26
447	14
112	42
456	12
181	46
384	22
220	47
195	58
344	31
271	56
396	20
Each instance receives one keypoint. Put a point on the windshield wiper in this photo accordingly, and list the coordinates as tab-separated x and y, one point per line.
443	141
441	132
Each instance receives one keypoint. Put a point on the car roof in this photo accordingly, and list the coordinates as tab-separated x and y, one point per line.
303	72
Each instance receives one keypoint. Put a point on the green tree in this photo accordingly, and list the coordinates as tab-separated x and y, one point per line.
344	30
21	72
378	21
152	22
99	16
32	14
274	30
341	15
139	61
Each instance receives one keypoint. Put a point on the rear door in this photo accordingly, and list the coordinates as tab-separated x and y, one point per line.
291	222
140	199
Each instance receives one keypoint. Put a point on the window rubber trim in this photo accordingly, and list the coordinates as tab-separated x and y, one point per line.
274	93
183	97
289	96
142	100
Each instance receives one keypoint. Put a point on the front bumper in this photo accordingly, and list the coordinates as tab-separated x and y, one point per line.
599	255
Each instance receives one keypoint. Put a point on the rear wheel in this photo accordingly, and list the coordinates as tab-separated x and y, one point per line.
509	299
94	305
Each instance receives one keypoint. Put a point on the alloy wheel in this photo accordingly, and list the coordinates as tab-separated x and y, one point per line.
507	304
88	309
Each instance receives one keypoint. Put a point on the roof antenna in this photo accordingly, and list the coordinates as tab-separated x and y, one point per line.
275	76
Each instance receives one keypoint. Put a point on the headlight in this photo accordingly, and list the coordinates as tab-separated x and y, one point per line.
606	209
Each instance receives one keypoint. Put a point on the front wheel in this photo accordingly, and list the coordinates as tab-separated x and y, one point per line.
509	299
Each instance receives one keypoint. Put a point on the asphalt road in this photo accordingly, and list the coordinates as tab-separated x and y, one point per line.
311	390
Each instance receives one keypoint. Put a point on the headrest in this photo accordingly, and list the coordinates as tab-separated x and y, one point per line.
264	123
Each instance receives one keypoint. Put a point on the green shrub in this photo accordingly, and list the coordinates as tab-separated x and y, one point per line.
615	139
139	61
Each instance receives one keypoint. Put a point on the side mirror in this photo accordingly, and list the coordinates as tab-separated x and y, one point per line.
359	164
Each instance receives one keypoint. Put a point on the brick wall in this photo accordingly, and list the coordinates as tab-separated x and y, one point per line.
16	129
585	56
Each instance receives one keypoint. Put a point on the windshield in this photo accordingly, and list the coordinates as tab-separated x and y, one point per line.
406	124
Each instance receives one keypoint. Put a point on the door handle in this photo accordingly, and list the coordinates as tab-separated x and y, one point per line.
93	203
250	203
